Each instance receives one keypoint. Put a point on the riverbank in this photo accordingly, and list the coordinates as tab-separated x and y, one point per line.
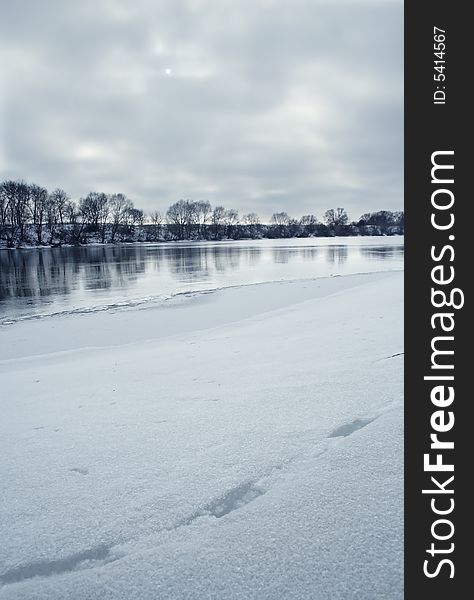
244	443
65	280
148	242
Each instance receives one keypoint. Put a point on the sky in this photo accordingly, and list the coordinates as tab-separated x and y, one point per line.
259	105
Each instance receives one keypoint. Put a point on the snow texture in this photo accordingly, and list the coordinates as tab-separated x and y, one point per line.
244	444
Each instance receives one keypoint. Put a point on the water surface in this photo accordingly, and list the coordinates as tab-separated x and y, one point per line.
36	282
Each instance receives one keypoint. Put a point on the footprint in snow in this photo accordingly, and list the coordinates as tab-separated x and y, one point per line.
348	428
79	470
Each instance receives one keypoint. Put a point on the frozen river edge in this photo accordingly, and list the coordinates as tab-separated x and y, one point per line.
244	443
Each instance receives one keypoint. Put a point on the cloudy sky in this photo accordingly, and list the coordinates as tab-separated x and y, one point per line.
261	105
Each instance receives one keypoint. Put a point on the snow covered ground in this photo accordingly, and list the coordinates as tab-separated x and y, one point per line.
241	444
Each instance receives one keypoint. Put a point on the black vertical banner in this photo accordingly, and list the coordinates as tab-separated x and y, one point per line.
438	125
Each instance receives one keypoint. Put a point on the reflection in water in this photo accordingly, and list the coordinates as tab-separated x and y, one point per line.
382	252
281	255
185	263
225	258
309	254
336	254
253	256
33	280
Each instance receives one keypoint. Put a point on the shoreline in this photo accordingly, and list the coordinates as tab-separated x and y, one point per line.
150	319
156	301
196	241
251	438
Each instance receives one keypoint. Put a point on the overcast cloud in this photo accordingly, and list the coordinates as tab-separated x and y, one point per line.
263	105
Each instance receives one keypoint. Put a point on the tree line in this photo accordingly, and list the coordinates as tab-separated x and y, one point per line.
30	214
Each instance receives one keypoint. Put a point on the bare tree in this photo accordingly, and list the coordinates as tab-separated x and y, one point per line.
104	209
60	200
204	210
136	216
280	223
383	222
8	195
22	210
176	216
156	219
56	214
335	218
16	210
231	219
52	217
252	224
39	204
3	211
183	217
218	220
309	224
74	218
192	218
280	218
293	228
27	212
95	210
120	206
